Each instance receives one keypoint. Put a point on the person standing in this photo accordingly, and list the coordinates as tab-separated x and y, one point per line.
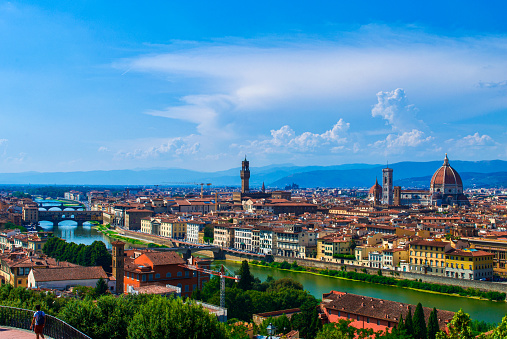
38	322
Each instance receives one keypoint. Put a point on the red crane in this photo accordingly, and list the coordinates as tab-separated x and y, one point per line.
221	274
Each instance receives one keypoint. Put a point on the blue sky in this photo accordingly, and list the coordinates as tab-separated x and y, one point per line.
88	85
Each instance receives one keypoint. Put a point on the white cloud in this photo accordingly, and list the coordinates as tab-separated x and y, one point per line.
397	142
285	140
475	140
173	147
103	149
393	106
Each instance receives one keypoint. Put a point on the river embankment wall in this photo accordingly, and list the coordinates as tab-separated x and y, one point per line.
144	236
482	285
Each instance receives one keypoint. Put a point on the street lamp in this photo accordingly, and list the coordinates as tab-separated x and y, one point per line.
271	329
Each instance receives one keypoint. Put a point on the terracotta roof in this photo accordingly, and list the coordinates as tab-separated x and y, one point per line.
69	273
161	258
446	175
429	243
377	308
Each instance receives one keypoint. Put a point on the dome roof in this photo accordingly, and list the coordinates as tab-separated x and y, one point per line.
373	187
446	175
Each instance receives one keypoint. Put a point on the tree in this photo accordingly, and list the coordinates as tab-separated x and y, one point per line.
171	318
409	326
247	280
285	283
419	323
352	245
101	287
401	324
501	331
339	330
433	327
307	321
459	327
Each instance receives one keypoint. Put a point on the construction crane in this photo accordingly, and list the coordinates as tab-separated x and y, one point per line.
190	183
191	266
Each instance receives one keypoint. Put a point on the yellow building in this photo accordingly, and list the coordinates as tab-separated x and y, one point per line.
330	246
428	256
469	264
173	228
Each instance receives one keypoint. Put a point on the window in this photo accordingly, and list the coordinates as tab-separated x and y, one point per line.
179	274
157	276
187	274
187	288
168	275
378	322
194	287
368	320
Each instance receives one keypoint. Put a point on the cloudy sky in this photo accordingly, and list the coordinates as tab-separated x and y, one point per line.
88	85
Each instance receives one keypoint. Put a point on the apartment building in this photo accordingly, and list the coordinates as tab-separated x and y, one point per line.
428	257
470	264
173	228
243	238
330	246
223	235
193	230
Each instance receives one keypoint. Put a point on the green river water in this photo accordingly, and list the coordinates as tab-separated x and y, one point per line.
485	310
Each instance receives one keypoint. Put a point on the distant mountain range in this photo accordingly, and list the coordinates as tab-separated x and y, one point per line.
406	174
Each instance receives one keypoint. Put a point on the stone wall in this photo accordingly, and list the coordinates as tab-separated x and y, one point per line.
482	285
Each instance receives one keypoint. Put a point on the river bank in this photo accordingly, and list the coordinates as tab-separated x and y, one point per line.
132	241
318	284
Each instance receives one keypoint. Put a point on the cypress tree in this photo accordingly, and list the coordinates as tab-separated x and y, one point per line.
409	327
401	325
433	327
246	278
419	323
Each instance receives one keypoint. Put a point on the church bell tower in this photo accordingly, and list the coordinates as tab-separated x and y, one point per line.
119	265
245	176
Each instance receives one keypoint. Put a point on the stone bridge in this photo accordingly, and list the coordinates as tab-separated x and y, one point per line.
188	250
61	206
78	216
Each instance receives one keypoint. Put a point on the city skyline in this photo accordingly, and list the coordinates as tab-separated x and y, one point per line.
93	86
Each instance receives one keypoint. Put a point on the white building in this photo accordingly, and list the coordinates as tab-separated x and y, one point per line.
193	229
62	278
243	238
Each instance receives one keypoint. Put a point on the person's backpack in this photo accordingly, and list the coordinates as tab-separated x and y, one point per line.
41	318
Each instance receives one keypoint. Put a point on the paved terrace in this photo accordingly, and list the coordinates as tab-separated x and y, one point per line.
16	333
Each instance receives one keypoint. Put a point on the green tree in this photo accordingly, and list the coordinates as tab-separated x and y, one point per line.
307	321
500	332
352	245
285	283
339	330
281	323
246	280
409	325
459	327
171	318
101	287
401	324
433	327
419	323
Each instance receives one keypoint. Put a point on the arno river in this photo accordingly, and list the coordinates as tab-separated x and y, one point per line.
478	309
